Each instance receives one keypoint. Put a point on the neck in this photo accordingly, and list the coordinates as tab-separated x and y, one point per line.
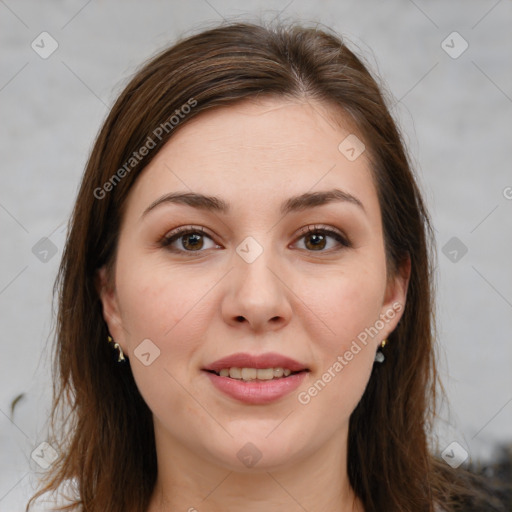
190	483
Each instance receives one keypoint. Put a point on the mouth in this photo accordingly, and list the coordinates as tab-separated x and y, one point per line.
256	379
258	374
255	391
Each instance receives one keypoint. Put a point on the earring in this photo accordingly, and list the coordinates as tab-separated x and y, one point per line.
118	347
379	355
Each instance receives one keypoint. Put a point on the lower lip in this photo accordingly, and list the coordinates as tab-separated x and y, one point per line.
257	392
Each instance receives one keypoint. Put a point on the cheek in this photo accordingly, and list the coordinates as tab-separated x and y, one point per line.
155	300
160	306
344	304
346	308
163	306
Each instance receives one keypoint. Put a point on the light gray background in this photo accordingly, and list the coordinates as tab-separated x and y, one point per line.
455	113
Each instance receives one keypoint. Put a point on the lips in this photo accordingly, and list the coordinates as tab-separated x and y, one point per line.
256	391
261	361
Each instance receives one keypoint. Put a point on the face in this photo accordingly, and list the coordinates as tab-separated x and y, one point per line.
273	275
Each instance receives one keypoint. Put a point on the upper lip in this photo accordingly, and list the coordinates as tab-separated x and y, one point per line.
261	361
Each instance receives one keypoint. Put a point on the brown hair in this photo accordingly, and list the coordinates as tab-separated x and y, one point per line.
106	439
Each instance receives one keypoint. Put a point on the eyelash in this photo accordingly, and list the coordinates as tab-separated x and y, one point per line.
168	239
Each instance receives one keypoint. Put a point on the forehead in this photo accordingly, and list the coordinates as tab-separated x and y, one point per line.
267	129
257	150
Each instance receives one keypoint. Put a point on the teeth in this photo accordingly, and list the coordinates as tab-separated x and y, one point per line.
278	372
235	373
267	374
247	374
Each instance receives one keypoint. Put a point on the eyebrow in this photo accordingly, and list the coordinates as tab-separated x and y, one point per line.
293	204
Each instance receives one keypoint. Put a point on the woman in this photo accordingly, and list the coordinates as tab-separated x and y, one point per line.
245	315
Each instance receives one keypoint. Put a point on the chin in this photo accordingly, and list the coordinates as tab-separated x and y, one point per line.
247	453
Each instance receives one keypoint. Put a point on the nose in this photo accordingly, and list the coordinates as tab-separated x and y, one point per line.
258	293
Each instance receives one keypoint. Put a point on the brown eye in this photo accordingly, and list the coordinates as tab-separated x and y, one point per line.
317	239
192	241
189	240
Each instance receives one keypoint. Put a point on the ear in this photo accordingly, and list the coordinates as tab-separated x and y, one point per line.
111	314
395	297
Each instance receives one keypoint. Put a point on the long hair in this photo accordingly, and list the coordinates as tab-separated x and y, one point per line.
103	429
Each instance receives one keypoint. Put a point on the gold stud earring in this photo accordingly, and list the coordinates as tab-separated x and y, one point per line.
379	355
118	348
